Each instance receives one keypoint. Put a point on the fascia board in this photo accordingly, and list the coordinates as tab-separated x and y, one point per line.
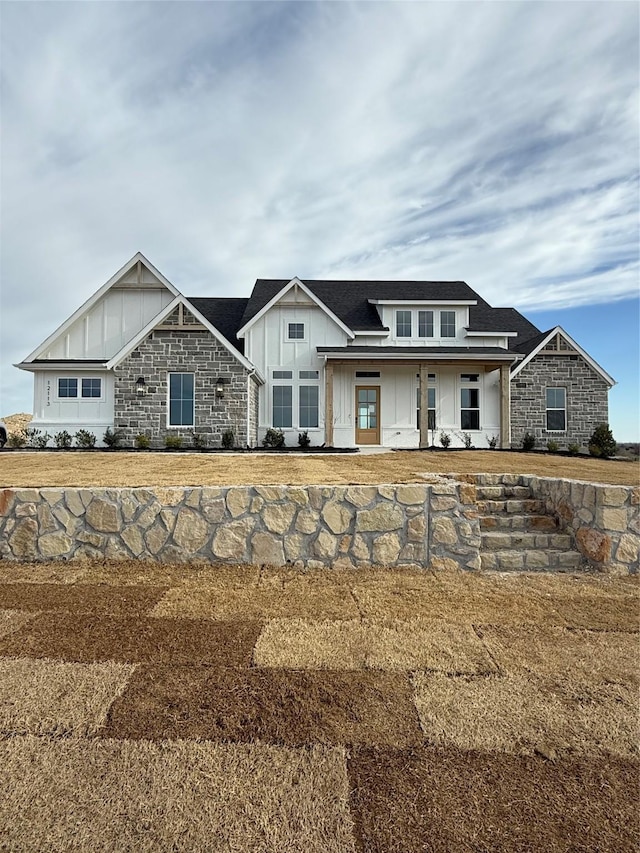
558	329
404	301
76	367
296	281
404	356
91	301
479	334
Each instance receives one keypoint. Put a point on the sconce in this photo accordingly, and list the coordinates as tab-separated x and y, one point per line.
220	383
141	386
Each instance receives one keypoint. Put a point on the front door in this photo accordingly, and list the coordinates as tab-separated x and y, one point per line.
367	414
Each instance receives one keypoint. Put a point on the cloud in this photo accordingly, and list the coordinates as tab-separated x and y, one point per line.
494	142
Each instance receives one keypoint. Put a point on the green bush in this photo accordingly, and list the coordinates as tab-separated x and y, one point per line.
273	438
17	439
466	438
528	441
112	437
142	441
303	440
228	439
85	439
445	439
37	438
553	446
62	440
173	442
602	442
199	440
492	441
573	449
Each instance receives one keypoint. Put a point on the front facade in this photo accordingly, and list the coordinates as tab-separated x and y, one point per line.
351	363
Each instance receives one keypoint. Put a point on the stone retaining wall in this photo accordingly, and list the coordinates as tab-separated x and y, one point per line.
433	525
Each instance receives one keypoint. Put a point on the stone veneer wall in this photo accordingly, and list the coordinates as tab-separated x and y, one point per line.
433	525
587	399
196	352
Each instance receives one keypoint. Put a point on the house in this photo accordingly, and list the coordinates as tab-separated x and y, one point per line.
352	363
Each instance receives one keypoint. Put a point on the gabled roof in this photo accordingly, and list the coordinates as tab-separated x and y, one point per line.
484	318
532	347
122	272
225	313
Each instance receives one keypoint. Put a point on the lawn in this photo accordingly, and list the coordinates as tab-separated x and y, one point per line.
36	469
235	708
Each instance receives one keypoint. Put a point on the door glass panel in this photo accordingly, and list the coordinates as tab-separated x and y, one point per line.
367	408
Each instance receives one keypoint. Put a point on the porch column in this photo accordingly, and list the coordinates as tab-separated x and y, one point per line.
505	407
424	405
328	404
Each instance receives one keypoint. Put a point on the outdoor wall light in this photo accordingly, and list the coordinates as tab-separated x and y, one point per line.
141	386
220	383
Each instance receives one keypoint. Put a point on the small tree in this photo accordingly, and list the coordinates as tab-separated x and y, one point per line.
112	437
63	440
602	442
445	439
528	441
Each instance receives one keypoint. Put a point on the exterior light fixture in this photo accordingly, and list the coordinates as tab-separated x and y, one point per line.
220	387
141	386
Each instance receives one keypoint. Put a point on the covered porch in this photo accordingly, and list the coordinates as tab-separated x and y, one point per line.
407	397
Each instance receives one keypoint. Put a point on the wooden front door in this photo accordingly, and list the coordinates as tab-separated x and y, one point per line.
367	414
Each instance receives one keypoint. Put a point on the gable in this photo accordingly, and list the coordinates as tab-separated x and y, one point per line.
557	343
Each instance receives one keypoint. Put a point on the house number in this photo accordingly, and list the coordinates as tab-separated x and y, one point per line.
48	392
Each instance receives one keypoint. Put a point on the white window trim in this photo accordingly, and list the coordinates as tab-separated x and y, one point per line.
416	337
479	386
555	409
180	373
410	312
294	383
285	331
79	398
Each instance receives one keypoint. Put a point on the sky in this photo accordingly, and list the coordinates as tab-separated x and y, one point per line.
493	142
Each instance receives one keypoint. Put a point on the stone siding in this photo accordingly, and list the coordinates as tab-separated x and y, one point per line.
196	352
586	394
433	525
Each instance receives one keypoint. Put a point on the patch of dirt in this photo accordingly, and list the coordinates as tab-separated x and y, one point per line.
17	423
12	620
131	639
80	598
447	801
266	705
39	469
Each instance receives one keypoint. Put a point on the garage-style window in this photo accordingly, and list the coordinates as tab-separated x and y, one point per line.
67	387
181	399
91	387
556	409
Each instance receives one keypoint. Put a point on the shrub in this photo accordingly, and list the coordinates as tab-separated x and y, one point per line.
142	441
273	438
492	441
602	442
173	442
62	439
553	446
573	449
228	439
445	439
303	440
466	438
528	441
85	439
17	439
36	438
199	440
112	437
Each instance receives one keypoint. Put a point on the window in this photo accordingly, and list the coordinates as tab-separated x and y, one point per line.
181	399
67	387
556	409
295	331
283	374
469	377
425	324
403	324
447	324
282	406
91	388
308	374
367	374
431	410
308	406
470	408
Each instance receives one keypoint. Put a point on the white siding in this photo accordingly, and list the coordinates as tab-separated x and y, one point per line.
53	414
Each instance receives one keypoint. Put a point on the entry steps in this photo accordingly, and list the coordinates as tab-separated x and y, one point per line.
518	535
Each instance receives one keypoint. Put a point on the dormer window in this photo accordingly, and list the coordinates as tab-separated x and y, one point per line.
295	331
425	324
447	324
403	324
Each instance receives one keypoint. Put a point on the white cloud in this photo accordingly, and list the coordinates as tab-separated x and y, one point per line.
495	142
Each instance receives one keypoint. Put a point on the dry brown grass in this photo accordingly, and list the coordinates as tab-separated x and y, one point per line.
592	657
192	797
77	598
135	469
58	573
446	801
267	705
398	646
90	637
13	620
521	714
44	697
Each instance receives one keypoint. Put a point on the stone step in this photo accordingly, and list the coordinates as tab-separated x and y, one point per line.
531	560
512	506
518	540
539	523
496	493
